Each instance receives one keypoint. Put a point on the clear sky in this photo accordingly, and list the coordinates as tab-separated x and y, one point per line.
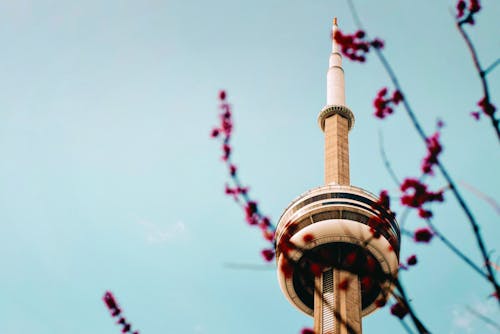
108	178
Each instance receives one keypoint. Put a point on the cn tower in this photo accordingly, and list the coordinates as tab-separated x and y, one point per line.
337	246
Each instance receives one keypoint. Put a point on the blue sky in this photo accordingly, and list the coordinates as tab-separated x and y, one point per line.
108	178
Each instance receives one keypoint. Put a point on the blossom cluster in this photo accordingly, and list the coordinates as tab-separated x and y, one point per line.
434	148
423	234
399	310
415	195
115	311
238	192
384	104
356	46
466	10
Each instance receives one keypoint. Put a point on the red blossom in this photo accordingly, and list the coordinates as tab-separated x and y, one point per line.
307	331
251	208
265	222
399	310
268	235
476	115
376	225
416	195
397	97
384	105
222	95
285	245
461	5
474	6
356	46
226	149
440	124
466	13
112	305
268	254
215	133
377	43
110	301
486	107
412	260
384	200
434	148
380	302
232	170
422	213
423	235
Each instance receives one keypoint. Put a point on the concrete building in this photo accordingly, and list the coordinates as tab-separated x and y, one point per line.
337	245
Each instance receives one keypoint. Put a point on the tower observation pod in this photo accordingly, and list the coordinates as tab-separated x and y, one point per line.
337	246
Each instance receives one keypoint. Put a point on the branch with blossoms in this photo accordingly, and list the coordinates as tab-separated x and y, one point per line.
432	142
423	234
315	263
116	312
236	190
465	16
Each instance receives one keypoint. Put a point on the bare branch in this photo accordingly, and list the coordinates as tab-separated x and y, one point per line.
387	164
483	318
491	67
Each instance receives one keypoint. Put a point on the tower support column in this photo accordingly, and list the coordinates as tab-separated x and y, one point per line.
337	303
337	150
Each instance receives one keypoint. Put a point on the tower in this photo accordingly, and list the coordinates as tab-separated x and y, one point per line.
337	246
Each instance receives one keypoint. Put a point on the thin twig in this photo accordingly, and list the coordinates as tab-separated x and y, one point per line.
387	164
418	324
405	326
455	250
483	318
491	67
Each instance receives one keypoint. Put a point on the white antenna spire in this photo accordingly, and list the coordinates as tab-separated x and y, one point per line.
335	91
